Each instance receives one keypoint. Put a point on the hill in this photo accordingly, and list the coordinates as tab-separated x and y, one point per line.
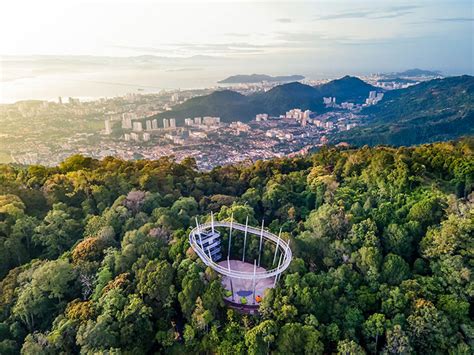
231	106
435	110
285	97
257	78
227	104
348	88
95	255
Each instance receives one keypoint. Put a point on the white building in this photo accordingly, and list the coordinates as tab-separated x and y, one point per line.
108	127
261	117
146	137
137	126
188	121
126	136
154	124
127	118
172	123
135	136
197	120
166	123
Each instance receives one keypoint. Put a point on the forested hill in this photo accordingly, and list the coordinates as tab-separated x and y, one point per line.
94	256
231	106
431	111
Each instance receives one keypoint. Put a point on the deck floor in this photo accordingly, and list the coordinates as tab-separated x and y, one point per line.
244	288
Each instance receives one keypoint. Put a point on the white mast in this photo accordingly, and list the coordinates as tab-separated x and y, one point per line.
212	222
230	234
199	232
278	275
230	278
254	271
245	237
276	249
261	239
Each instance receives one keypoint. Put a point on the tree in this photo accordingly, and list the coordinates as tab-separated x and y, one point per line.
54	278
58	232
374	326
259	338
349	347
155	282
397	341
297	336
398	240
428	329
395	269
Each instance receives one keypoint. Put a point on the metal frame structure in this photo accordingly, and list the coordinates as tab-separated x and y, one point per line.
282	247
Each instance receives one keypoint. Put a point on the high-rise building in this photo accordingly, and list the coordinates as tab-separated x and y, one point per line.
154	124
126	121
135	136
148	125
126	136
146	137
197	120
108	127
166	123
172	122
188	121
137	126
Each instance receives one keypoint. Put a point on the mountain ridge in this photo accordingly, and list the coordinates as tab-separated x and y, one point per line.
434	110
276	101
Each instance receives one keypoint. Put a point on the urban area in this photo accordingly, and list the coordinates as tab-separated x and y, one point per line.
47	132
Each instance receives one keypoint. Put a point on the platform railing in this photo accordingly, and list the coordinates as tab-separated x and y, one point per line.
266	235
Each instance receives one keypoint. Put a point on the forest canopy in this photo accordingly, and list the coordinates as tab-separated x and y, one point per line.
94	255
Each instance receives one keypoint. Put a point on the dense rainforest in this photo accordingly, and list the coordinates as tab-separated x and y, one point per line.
94	256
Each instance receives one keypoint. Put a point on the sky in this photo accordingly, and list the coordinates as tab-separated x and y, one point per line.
313	38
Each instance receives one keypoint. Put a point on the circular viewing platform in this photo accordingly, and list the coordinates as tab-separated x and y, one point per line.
244	279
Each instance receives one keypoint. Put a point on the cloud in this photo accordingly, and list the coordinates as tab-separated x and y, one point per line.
183	69
455	19
284	20
233	34
374	13
313	40
182	49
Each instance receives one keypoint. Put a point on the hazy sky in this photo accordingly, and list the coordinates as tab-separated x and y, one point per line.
361	34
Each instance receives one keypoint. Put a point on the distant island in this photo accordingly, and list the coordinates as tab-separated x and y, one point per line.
257	78
411	73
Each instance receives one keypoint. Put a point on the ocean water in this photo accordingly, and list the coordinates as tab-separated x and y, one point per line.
46	79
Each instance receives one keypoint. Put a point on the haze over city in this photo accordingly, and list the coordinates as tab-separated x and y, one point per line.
108	48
